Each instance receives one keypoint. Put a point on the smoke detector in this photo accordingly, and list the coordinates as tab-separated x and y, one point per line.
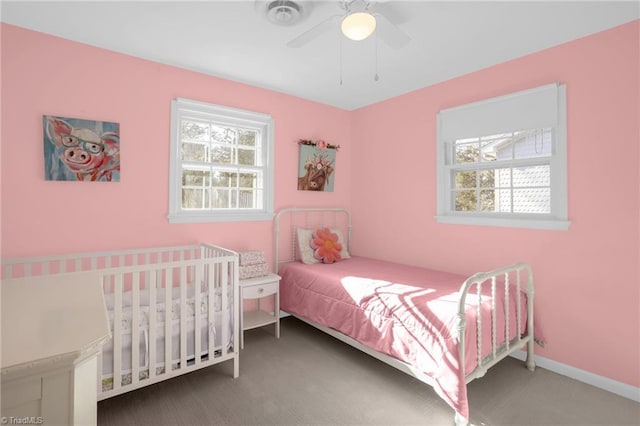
283	12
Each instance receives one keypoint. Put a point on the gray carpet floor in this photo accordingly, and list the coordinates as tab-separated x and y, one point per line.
309	378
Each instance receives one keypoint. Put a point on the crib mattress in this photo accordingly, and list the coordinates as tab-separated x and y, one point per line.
209	328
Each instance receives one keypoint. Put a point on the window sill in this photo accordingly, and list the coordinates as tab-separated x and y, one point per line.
528	223
207	217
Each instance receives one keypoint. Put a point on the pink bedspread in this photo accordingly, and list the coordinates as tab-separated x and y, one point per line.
403	311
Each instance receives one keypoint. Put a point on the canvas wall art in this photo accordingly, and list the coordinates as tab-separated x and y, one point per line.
81	150
316	165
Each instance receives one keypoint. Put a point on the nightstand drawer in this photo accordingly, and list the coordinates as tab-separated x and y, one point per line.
260	290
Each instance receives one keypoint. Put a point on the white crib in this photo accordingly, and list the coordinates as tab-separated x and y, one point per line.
156	340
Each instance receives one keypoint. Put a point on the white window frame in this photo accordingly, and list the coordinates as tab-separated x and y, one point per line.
225	116
541	107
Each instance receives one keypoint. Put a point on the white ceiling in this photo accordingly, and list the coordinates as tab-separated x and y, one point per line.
234	40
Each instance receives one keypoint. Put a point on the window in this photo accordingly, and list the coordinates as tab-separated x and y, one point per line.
221	164
502	161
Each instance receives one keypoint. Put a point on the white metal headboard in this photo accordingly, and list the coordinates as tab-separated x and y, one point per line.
288	219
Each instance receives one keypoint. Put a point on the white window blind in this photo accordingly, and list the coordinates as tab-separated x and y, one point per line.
529	109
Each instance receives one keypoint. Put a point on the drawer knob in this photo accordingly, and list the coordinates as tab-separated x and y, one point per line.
260	290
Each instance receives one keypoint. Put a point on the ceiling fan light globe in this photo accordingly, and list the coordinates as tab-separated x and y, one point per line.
358	26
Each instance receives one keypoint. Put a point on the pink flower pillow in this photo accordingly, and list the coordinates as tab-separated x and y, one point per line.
326	246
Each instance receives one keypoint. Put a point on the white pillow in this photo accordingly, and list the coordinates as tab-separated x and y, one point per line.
305	252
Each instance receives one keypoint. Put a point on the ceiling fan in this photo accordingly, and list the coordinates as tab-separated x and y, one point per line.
358	20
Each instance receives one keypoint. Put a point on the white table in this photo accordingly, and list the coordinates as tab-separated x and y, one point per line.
258	288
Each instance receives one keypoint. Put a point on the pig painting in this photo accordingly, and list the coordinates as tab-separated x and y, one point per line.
81	150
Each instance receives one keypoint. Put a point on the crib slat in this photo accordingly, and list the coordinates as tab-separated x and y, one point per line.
494	323
479	323
100	358
212	322
135	328
117	329
183	314
518	297
507	303
224	281
145	261
168	306
197	301
151	349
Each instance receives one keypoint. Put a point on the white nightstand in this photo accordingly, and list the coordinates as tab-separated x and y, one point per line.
257	288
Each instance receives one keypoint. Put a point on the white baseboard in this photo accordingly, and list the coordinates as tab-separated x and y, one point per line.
613	386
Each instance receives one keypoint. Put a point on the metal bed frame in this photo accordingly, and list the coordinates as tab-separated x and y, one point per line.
293	218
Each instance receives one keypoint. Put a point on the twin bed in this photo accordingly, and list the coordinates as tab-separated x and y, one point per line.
174	310
444	329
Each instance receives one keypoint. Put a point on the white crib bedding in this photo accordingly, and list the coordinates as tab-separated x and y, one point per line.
207	329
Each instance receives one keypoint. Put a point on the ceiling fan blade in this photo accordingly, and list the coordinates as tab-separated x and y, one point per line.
314	32
390	11
392	35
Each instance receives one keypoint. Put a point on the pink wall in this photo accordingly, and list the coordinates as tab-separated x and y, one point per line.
48	75
587	278
585	272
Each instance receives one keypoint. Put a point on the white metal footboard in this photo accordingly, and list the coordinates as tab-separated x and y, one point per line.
502	343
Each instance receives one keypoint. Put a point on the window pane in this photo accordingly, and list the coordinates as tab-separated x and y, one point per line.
532	200
191	130
247	199
503	201
467	153
503	178
225	179
532	176
247	137
222	155
487	178
466	179
220	199
194	152
247	157
465	201
533	143
233	199
248	180
195	178
194	198
223	135
487	151
487	200
497	147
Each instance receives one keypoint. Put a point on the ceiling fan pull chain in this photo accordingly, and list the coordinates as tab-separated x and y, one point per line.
376	78
340	49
